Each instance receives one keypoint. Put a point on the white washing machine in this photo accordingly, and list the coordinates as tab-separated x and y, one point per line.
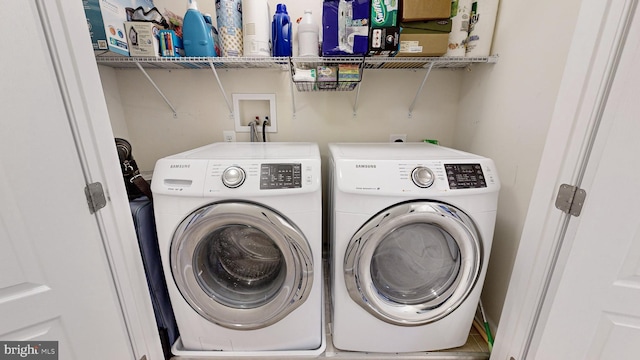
240	233
411	232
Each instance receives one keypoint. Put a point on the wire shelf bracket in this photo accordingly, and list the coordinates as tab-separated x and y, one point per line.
415	99
224	94
175	113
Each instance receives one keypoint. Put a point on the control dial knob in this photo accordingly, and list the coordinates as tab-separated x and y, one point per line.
422	176
233	176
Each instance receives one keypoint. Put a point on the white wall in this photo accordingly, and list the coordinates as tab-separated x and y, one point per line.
320	117
501	111
108	77
505	113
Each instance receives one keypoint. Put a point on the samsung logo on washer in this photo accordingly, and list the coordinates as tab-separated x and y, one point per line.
180	166
365	166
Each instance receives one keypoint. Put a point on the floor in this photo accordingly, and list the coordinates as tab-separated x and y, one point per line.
476	348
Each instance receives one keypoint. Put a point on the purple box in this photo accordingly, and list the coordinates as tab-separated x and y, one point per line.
353	17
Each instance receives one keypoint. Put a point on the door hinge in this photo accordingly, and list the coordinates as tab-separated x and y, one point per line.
570	199
95	197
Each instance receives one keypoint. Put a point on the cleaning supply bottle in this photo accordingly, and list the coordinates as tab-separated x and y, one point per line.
196	33
281	32
307	35
214	34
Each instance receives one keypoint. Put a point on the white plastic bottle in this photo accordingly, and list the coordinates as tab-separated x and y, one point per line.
308	36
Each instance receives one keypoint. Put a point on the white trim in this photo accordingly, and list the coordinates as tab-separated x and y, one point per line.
590	66
271	98
96	145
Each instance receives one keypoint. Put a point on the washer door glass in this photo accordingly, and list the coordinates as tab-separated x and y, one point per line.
241	265
413	263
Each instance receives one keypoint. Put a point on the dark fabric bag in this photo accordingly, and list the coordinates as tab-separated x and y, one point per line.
145	225
136	185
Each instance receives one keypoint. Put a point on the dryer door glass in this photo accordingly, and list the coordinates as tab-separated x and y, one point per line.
241	265
413	263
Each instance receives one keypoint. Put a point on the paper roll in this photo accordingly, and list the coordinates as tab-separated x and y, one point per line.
229	20
460	14
481	26
256	27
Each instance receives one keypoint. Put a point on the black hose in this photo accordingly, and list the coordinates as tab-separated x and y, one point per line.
264	131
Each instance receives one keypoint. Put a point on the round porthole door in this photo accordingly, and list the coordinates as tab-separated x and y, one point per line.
241	265
413	263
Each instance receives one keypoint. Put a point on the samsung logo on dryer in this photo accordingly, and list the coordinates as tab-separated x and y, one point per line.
180	166
365	166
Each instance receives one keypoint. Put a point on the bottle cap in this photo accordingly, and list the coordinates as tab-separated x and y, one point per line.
281	8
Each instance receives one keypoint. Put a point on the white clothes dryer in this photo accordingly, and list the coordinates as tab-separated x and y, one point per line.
411	232
240	234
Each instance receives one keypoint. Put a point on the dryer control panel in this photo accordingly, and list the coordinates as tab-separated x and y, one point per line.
424	177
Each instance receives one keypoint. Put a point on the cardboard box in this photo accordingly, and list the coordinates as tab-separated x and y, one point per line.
142	38
440	25
424	38
105	19
353	15
417	10
327	77
423	43
384	30
348	72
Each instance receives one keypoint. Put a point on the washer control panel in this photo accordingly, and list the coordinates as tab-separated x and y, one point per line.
222	177
465	176
280	176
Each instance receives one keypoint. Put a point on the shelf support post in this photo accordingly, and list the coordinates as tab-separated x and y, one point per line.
175	113
415	99
224	94
355	102
293	95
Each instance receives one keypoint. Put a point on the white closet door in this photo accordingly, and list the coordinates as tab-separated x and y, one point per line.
595	313
55	279
591	286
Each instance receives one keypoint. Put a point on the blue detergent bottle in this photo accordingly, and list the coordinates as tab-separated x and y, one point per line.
281	32
196	33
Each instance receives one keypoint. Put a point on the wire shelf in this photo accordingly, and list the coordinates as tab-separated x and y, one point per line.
290	64
278	63
283	63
